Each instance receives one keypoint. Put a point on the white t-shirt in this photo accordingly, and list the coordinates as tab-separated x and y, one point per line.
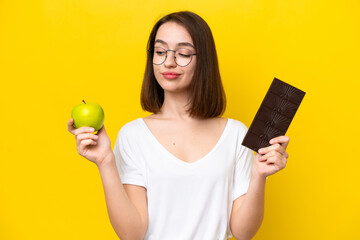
186	201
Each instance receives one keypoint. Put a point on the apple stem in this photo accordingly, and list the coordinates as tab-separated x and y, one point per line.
84	101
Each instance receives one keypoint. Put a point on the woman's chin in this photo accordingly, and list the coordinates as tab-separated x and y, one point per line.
173	90
173	87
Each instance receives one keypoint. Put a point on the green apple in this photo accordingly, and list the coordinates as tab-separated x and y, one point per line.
88	115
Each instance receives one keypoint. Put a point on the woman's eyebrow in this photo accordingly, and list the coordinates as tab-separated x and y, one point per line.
179	44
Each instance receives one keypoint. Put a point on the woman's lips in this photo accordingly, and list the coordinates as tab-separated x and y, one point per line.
170	75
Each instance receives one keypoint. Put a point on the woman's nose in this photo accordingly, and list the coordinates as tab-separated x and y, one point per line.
170	59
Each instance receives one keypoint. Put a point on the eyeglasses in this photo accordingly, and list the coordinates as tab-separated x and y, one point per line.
182	56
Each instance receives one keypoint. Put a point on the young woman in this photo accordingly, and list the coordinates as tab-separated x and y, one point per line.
182	173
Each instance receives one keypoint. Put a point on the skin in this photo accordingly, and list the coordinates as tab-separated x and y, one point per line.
184	137
175	91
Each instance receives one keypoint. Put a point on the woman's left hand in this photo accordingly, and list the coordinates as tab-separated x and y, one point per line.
272	159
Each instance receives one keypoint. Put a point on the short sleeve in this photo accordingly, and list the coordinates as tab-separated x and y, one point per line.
130	166
244	160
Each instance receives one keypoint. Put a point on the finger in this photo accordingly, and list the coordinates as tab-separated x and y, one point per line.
269	155
85	136
276	147
85	143
70	126
278	162
283	140
258	156
271	160
83	130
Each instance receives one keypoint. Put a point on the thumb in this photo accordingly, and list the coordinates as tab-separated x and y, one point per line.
70	125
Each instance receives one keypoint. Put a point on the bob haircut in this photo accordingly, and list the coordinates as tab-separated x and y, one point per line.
207	96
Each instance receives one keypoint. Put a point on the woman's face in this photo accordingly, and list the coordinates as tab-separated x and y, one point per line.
173	36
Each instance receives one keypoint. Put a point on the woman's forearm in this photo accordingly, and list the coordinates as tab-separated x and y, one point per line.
250	215
123	215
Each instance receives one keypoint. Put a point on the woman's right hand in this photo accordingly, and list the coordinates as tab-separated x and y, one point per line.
91	146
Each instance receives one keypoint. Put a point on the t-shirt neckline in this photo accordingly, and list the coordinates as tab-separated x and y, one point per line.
154	139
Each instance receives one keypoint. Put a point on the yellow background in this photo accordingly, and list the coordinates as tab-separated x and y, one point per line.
54	54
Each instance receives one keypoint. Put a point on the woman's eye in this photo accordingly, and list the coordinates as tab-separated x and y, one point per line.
160	53
184	55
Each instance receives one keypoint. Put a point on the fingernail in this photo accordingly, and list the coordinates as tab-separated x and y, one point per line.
271	141
92	130
261	150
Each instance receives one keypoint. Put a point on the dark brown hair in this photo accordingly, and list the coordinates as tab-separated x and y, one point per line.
207	96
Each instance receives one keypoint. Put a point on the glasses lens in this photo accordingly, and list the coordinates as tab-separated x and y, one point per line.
159	55
183	56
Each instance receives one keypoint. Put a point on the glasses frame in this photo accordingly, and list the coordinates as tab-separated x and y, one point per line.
166	51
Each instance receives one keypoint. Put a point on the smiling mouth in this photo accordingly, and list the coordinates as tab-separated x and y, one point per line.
171	75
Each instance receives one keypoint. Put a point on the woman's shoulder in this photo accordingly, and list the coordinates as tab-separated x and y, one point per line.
131	128
238	125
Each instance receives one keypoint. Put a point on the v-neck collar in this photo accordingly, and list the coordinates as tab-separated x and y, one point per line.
155	140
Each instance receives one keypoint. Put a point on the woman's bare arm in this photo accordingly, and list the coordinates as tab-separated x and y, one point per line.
127	206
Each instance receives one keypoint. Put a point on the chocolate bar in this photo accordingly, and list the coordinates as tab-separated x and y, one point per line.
274	116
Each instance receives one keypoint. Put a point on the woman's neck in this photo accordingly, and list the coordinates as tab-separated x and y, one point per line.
175	106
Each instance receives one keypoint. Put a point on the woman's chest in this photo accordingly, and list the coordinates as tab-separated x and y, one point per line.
188	146
187	143
164	170
165	173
